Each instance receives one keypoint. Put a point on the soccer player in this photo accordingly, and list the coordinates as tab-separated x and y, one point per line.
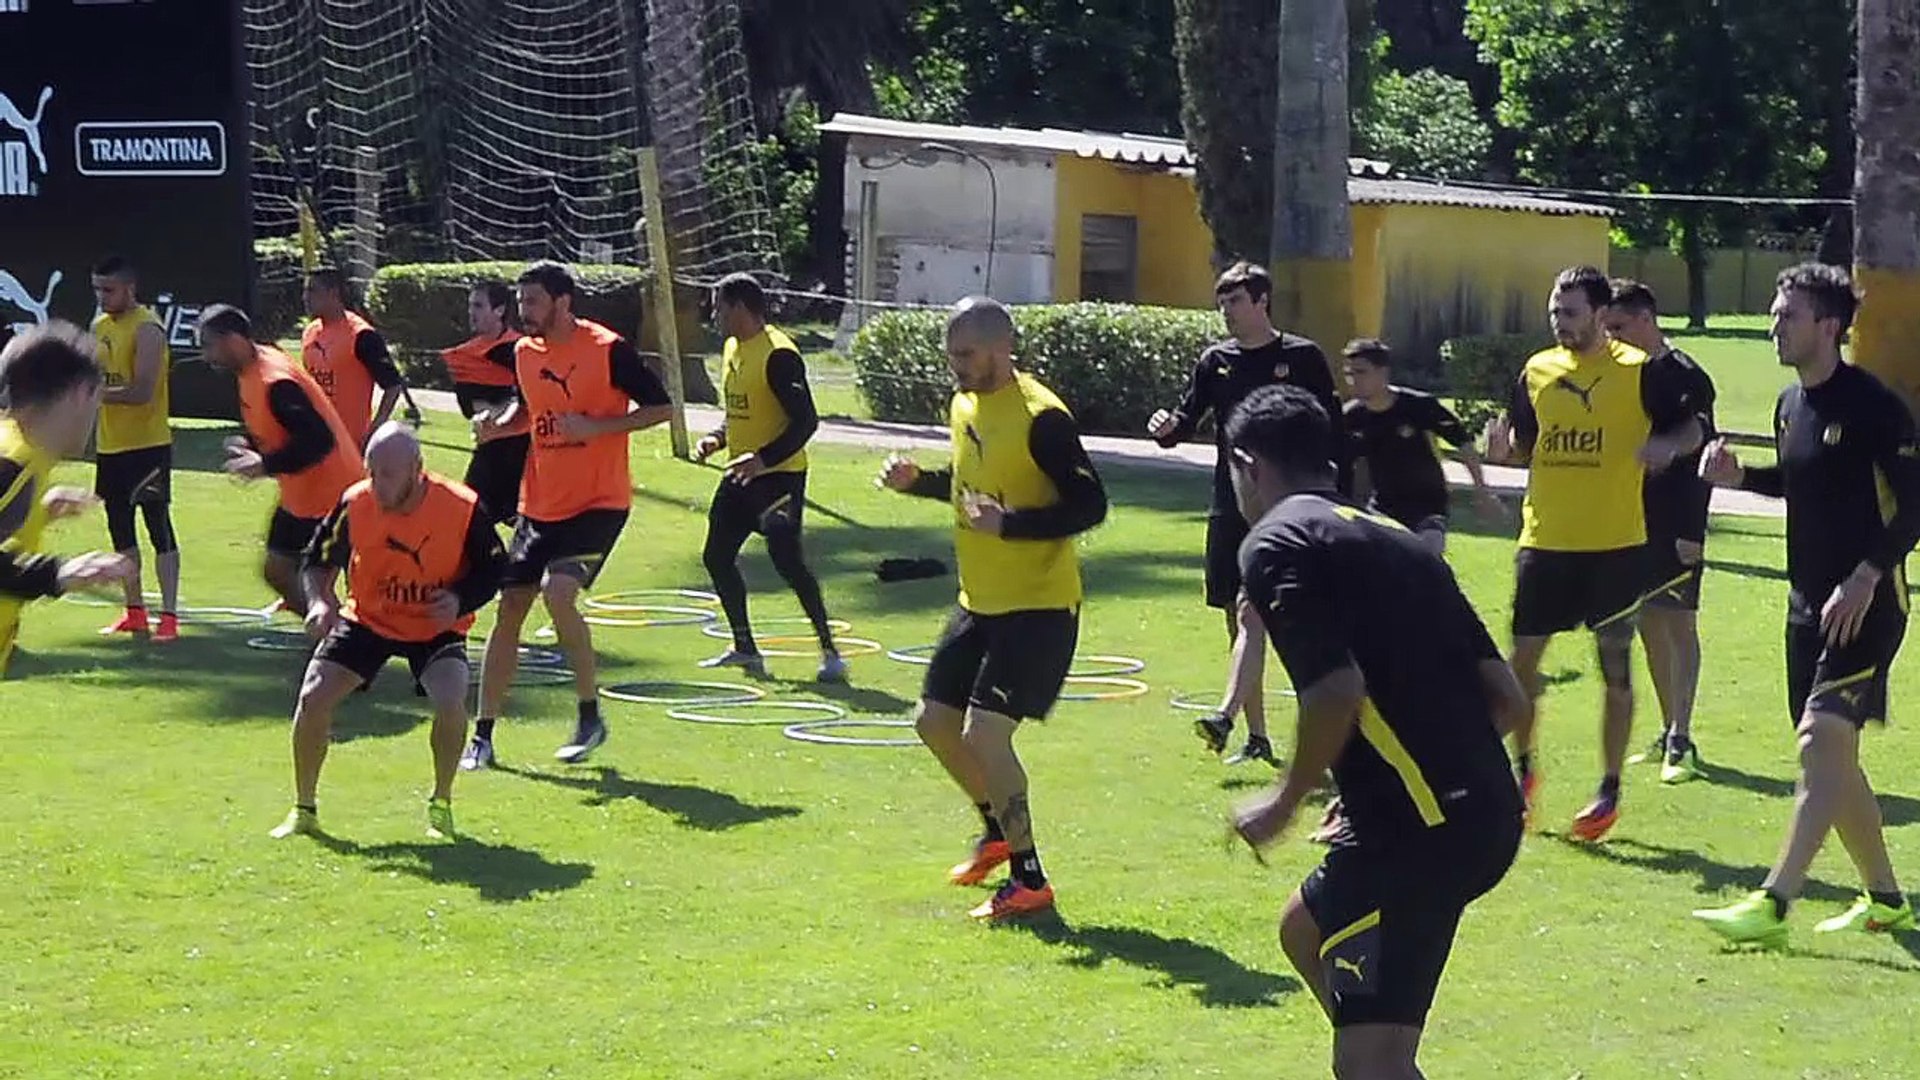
293	435
1393	430
770	417
133	461
482	371
1256	355
420	557
1403	694
50	381
1022	487
584	389
347	356
1590	417
1676	505
1842	437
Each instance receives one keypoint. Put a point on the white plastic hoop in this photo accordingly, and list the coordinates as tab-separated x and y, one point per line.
287	641
730	693
815	731
100	598
1122	665
824	709
1189	703
527	675
636	617
913	654
724	631
1125	688
224	616
621	603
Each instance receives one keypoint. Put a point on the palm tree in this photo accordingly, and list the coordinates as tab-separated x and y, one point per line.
1312	222
1887	193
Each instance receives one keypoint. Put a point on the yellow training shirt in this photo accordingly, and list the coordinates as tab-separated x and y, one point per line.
23	517
992	456
131	427
1587	416
755	416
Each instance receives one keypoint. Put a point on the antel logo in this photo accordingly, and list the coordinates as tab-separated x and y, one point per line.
151	148
23	154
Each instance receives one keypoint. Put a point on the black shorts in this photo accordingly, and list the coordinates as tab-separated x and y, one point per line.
1850	681
771	503
1554	591
288	534
1225	534
364	652
577	547
1387	916
1012	664
494	471
135	477
1673	584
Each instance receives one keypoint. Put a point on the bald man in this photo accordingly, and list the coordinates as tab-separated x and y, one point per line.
1022	488
421	556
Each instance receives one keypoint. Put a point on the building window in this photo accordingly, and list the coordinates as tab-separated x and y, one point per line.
1109	257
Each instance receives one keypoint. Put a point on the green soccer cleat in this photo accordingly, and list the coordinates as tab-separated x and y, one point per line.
1682	764
300	822
1874	918
1749	922
440	820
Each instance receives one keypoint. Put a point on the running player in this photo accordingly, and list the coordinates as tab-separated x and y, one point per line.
420	557
1404	696
1591	417
584	389
482	371
1022	487
133	461
1393	430
1844	442
770	417
293	435
347	356
1256	355
50	382
1676	504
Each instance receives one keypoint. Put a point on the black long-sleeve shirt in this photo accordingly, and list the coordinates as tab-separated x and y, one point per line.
1676	499
1223	377
486	560
1054	442
371	350
1849	468
309	437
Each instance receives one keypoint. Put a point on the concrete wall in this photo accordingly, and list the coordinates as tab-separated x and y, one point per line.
1739	280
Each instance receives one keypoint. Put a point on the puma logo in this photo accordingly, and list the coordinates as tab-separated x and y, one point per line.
394	544
547	374
1584	393
1353	967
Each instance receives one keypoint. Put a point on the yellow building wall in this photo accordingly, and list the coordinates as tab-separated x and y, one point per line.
1175	254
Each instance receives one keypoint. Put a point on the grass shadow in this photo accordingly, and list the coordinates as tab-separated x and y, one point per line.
690	806
499	873
865	700
1217	980
1895	810
1712	876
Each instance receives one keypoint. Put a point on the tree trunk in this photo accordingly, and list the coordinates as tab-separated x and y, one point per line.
1312	249
1693	251
1887	194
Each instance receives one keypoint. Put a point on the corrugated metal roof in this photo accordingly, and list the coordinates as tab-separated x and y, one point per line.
1108	146
1428	193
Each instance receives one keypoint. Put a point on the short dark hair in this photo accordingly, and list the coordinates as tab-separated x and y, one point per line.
499	295
1372	350
1286	425
1829	288
46	363
329	277
225	320
743	289
1634	296
115	266
1245	275
551	276
1589	280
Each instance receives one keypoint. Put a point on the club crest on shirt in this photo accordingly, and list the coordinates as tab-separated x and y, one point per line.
1831	436
1406	431
1281	371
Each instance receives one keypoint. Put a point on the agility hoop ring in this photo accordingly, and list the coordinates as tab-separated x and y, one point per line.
640	693
817	731
97	598
641	601
824	709
647	617
205	616
1121	665
775	646
1123	688
913	654
1190	703
287	641
724	631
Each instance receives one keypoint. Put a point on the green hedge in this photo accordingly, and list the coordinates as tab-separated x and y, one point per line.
1480	372
1113	364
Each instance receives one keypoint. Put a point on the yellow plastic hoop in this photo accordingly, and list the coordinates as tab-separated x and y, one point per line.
848	647
1123	688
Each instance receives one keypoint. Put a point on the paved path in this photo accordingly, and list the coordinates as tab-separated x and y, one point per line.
1188	457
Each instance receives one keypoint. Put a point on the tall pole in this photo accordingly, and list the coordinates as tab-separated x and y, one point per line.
663	311
1312	253
1886	193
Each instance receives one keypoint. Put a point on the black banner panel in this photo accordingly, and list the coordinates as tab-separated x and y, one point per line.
123	130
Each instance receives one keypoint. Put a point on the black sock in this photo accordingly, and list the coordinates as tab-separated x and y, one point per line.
590	711
1026	869
1779	904
992	823
743	641
1524	761
483	729
1610	786
1890	899
310	808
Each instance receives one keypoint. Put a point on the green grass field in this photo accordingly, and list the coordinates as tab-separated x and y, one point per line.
724	902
